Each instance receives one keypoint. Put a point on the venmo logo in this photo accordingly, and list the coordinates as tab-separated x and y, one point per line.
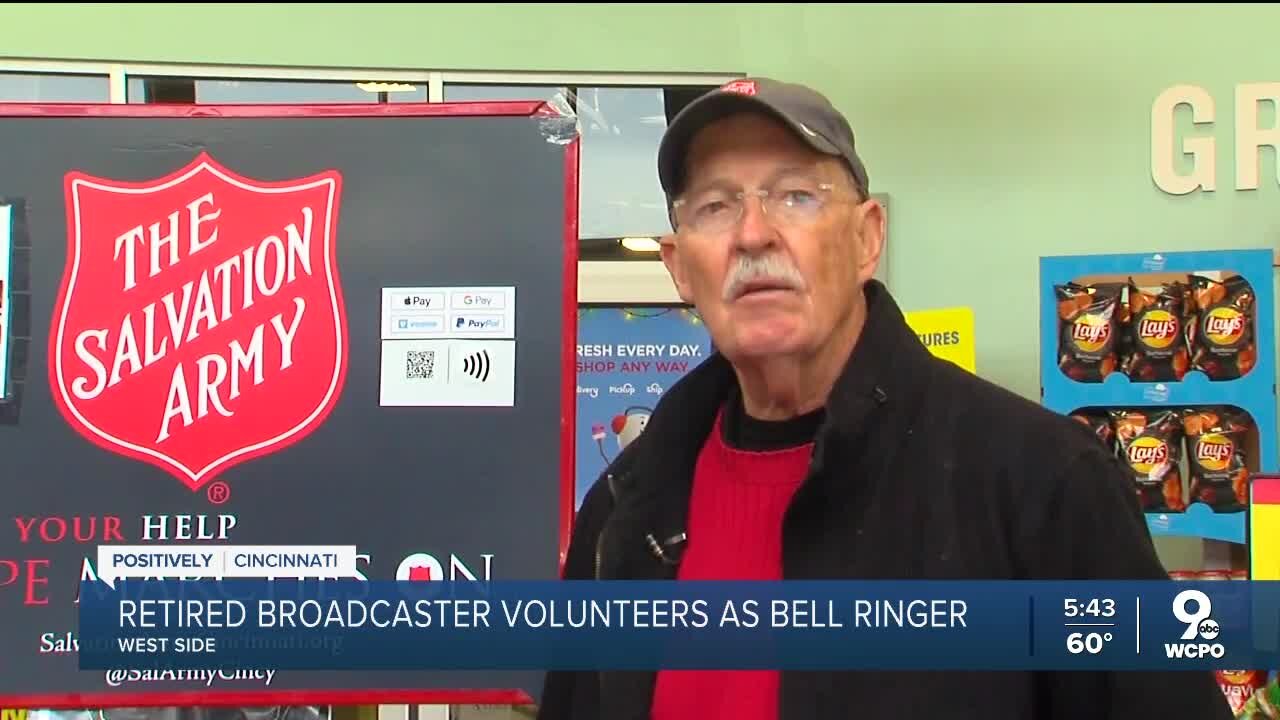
1200	626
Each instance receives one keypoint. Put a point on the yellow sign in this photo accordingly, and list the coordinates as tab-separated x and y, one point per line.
13	714
948	333
1264	527
1264	549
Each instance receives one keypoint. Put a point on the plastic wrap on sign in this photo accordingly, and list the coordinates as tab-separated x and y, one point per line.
559	124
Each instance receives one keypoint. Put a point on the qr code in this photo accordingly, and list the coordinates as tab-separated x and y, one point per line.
420	365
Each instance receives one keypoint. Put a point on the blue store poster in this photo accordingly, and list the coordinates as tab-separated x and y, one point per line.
627	357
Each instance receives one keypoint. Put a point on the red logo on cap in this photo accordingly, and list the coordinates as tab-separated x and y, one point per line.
742	87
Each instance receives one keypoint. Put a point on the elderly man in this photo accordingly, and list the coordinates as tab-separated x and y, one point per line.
824	441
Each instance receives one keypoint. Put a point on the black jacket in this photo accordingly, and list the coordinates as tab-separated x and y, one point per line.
921	471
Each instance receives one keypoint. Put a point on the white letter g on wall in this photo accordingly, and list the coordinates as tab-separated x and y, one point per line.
1201	149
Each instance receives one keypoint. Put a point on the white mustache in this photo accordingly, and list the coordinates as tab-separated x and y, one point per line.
757	269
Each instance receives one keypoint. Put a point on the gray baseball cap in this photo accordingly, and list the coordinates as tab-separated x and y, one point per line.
806	111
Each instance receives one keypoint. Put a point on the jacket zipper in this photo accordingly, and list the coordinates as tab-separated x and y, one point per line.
604	527
600	548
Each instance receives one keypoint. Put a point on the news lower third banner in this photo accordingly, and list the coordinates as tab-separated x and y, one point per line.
353	624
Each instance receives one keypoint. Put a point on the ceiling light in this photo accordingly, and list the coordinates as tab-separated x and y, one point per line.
640	244
375	87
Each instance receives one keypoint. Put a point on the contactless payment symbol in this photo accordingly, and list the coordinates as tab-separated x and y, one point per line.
476	365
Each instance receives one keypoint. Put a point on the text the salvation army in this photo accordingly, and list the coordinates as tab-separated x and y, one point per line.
153	329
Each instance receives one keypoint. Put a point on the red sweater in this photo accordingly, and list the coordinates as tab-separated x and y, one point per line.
735	533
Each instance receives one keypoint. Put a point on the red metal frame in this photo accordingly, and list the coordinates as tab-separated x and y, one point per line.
568	397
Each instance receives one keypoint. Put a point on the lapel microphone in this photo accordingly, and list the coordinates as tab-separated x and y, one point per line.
659	549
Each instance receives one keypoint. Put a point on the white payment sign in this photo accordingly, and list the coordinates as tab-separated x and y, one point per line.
429	313
218	562
448	347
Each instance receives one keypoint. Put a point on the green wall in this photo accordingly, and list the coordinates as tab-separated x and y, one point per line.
1001	133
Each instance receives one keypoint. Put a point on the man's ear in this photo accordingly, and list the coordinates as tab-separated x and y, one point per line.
870	238
671	259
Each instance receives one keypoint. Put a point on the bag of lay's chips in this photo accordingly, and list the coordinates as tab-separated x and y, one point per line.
1155	346
1223	345
1088	331
1216	457
1150	442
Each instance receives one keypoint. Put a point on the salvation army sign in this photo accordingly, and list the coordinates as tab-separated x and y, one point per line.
284	335
200	321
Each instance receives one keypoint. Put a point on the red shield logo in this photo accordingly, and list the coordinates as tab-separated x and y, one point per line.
200	322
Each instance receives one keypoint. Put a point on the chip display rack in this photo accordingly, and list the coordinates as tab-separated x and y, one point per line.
1225	378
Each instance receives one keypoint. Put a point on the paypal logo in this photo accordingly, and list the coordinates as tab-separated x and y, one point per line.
481	322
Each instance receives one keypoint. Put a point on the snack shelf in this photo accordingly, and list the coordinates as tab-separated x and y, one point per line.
1199	520
1254	392
1250	392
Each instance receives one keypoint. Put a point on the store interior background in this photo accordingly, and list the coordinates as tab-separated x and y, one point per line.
1001	133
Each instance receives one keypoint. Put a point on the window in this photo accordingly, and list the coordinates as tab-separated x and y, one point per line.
621	127
475	93
54	87
160	89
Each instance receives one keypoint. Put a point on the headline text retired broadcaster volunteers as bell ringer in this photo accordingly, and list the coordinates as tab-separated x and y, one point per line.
612	613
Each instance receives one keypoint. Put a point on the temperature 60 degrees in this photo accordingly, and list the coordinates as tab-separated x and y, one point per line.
1092	643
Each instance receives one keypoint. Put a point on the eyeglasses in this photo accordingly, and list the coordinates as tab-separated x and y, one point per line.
792	202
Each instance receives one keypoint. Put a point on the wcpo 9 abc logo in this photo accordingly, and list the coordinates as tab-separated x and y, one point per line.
1194	609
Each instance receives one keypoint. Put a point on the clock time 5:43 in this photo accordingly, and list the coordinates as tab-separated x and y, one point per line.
1091	608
